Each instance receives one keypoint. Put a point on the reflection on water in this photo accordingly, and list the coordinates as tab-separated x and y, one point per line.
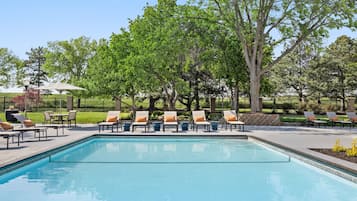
99	171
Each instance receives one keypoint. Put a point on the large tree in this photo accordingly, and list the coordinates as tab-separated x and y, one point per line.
68	60
258	24
339	64
292	72
9	64
231	66
34	66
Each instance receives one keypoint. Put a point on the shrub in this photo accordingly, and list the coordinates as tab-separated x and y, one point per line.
286	107
316	108
215	116
157	115
353	150
30	98
332	108
338	147
300	108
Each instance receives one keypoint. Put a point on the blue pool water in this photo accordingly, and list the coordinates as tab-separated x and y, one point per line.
159	169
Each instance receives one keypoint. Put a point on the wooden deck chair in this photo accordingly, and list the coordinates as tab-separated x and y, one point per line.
170	120
141	120
199	119
231	119
112	119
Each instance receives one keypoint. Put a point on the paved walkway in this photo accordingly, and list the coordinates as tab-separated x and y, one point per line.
300	139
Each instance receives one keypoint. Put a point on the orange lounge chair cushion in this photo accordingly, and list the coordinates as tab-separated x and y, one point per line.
354	119
170	118
200	119
334	119
140	119
6	125
28	123
312	118
111	119
231	118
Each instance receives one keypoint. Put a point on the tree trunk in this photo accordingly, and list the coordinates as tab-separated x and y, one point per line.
274	105
301	97
133	106
172	103
254	92
165	105
78	103
117	103
172	100
235	98
152	101
343	105
197	98
213	104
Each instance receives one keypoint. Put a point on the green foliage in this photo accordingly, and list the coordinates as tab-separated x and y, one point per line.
215	116
338	147
67	61
352	152
9	64
33	66
338	68
332	108
316	108
292	22
301	107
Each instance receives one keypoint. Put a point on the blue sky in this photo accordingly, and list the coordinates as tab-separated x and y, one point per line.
32	23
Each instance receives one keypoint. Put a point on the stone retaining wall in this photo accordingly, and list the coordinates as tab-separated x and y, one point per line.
260	119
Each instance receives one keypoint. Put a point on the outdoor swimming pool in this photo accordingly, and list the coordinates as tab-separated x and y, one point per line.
172	169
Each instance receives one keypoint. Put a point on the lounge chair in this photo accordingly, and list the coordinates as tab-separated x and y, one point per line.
10	134
311	119
170	120
352	117
27	126
141	120
333	119
7	133
199	119
231	119
113	119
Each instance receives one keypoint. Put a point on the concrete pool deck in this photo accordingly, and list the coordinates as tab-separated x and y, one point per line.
295	138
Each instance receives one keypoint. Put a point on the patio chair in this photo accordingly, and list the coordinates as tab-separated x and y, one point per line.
113	119
352	117
141	120
72	116
333	119
311	119
47	117
231	119
199	119
170	120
